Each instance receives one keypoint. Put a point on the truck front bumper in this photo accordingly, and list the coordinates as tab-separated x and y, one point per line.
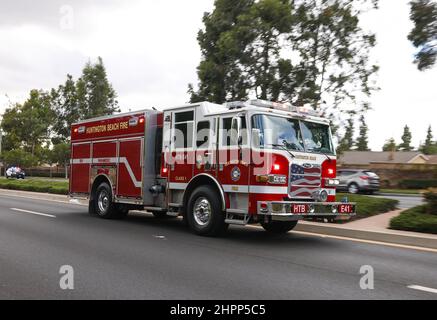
294	210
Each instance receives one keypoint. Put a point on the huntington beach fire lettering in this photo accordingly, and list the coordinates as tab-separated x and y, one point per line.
238	163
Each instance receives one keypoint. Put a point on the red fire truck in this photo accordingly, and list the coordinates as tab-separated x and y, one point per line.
215	165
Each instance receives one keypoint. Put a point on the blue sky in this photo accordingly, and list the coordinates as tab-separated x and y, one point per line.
151	54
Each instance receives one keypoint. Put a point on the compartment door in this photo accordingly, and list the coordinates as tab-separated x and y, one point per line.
130	168
80	168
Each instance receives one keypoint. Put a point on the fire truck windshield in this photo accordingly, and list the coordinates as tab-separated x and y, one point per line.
281	132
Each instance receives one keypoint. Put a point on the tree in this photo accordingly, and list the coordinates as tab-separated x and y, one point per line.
259	31
95	95
429	147
334	65
220	76
66	108
362	140
28	125
406	140
19	157
61	155
347	142
390	145
424	34
249	54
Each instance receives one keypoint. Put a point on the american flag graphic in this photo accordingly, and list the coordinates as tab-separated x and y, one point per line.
305	179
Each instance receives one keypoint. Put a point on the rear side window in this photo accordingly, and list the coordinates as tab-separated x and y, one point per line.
184	129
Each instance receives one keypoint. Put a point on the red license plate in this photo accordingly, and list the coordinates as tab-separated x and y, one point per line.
346	208
299	208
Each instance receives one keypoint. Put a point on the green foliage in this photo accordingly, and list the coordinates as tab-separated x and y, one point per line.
347	142
424	34
247	48
19	157
44	119
95	95
66	107
220	77
429	147
417	184
27	125
390	145
406	140
362	140
369	206
431	201
46	186
415	219
90	96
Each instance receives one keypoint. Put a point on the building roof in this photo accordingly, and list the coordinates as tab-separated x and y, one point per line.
366	157
432	159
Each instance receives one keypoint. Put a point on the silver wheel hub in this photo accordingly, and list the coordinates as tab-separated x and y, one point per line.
353	189
103	201
202	211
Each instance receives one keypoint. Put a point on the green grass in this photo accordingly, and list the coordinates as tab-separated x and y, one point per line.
369	206
36	185
415	219
403	191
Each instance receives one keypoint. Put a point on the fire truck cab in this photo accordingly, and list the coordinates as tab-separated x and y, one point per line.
215	165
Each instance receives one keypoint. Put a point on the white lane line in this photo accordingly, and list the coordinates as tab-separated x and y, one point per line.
35	213
426	289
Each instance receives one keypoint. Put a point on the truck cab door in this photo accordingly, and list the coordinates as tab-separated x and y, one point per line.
206	147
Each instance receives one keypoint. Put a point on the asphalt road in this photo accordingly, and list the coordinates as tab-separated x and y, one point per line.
146	258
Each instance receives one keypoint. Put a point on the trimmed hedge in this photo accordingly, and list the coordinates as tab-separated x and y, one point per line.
415	219
45	186
369	206
418	184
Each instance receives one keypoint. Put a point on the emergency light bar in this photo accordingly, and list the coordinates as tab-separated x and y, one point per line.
284	107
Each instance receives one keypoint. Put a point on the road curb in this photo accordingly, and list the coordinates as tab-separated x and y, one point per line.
394	238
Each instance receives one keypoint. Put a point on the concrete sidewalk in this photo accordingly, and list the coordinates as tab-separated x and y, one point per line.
372	228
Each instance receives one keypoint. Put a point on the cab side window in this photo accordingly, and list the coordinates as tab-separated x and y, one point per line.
184	129
203	134
226	131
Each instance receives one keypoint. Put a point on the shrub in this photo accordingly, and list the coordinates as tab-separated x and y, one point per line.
415	219
45	186
418	184
431	200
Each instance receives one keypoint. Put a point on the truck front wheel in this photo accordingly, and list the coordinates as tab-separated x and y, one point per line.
204	213
279	227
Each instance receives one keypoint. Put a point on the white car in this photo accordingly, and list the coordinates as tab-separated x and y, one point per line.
15	172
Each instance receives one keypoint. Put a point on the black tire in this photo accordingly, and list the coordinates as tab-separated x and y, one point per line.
209	219
102	201
279	227
353	188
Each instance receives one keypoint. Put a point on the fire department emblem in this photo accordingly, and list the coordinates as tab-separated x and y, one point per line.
235	174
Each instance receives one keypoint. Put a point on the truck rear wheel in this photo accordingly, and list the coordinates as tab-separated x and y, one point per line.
103	205
279	227
204	213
